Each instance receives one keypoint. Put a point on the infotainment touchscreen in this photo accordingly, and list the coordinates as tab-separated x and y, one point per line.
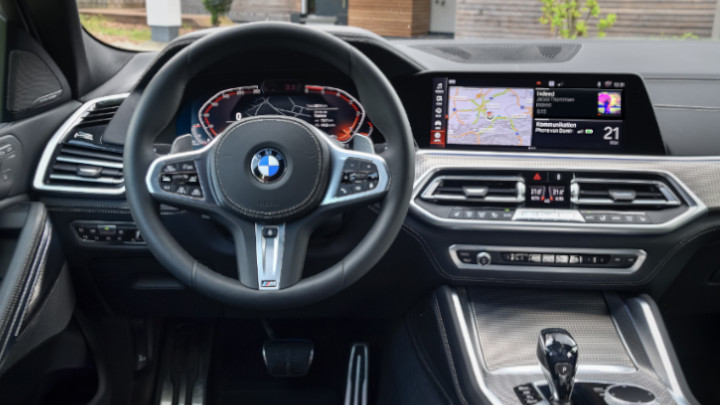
542	115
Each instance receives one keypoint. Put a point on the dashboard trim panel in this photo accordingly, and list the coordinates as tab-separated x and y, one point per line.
639	253
428	163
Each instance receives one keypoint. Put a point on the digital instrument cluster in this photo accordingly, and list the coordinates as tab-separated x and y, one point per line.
333	110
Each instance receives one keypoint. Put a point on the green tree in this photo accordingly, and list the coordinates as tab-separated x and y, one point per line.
217	8
569	19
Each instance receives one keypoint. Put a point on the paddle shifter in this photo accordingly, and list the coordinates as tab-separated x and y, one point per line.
558	355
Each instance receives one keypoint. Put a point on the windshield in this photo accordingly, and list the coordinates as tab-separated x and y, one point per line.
150	25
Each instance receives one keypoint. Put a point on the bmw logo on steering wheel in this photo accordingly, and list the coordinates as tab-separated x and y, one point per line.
268	165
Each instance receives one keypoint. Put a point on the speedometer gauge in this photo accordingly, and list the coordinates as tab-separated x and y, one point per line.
330	109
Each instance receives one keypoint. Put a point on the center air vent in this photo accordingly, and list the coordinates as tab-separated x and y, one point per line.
76	160
476	189
622	192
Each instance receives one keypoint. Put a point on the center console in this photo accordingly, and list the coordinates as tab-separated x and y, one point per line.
550	347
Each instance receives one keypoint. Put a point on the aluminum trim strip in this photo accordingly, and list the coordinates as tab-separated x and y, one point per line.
641	257
469	341
696	207
269	254
90	162
652	326
671	198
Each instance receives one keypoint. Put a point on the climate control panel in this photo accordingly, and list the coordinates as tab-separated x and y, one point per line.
534	259
565	200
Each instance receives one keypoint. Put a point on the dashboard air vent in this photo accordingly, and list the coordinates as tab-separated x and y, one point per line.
476	189
622	192
77	160
87	164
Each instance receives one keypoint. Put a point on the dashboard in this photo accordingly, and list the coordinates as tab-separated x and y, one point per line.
575	163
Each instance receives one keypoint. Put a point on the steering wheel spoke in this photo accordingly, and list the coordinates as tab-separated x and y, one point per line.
182	180
271	256
356	178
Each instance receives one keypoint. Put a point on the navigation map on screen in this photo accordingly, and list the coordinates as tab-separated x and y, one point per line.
490	116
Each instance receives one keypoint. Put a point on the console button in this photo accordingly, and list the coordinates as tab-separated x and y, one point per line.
466	256
527	394
521	257
187	166
590	218
368	166
107	230
456	213
561	259
469	214
180	178
195	192
548	258
556	177
574	259
623	261
269	232
484	258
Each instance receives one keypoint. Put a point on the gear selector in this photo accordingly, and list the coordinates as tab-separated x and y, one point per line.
557	352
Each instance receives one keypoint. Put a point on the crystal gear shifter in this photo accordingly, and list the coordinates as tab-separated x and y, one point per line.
557	352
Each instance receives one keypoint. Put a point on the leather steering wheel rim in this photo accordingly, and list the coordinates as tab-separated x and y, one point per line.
158	105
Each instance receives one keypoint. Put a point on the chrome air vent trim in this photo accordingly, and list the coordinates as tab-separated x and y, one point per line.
431	164
476	193
60	136
616	195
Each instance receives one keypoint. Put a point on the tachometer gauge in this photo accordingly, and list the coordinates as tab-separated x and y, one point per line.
330	109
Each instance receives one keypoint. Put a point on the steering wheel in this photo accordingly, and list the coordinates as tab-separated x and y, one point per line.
271	180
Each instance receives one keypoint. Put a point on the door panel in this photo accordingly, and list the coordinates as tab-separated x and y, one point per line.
32	275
